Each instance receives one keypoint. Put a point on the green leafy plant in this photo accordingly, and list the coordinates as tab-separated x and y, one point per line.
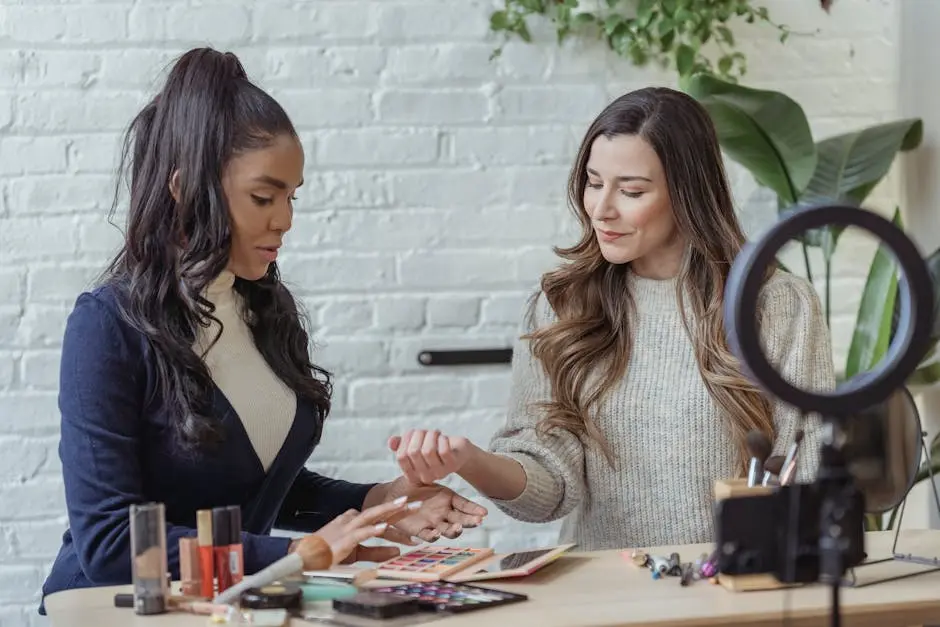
671	33
875	326
768	133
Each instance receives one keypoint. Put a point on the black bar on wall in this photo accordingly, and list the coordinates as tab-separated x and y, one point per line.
472	357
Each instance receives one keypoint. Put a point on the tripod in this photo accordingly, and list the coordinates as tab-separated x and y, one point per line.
837	518
833	542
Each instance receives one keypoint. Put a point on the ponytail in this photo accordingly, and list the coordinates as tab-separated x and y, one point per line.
207	112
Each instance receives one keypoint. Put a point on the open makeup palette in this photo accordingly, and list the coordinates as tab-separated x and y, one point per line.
434	563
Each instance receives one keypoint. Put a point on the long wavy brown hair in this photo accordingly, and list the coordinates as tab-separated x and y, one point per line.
591	339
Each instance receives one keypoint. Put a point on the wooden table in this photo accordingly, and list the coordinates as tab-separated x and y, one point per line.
603	589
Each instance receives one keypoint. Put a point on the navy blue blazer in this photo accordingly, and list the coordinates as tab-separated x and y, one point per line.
117	448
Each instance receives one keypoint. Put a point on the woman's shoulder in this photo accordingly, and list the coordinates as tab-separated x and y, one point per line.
788	295
100	301
790	311
97	315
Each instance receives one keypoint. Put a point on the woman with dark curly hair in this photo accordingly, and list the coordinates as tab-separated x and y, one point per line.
185	375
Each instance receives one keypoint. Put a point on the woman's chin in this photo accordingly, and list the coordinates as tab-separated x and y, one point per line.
615	255
252	273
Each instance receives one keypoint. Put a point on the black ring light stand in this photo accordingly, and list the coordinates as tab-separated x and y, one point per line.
851	397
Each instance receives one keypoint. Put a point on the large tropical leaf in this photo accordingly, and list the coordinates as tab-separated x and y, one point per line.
872	334
764	131
850	165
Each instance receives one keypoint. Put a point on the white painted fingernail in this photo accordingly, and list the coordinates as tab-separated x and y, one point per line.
414	505
381	526
400	500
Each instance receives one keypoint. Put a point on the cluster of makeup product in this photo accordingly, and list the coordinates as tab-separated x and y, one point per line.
211	564
212	580
704	567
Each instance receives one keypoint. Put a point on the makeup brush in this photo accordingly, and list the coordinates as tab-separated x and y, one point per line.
788	472
772	467
759	447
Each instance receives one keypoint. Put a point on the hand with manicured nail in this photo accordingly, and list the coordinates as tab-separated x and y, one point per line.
345	533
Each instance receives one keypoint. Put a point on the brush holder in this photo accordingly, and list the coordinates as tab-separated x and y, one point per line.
738	488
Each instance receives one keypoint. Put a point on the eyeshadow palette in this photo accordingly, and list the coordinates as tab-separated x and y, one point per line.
429	563
451	597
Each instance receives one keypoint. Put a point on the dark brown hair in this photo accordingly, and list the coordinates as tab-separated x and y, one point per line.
591	297
207	112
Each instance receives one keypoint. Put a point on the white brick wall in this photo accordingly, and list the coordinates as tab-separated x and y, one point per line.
434	189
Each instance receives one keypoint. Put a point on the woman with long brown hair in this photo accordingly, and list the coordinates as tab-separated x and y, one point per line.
626	403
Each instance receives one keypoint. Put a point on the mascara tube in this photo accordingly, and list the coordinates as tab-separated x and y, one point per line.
149	560
221	530
236	558
206	559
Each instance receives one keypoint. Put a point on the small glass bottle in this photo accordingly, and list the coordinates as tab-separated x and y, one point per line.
148	558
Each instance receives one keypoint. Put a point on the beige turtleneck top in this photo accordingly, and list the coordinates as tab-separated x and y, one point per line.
264	403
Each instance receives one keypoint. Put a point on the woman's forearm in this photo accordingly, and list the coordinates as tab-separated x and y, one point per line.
494	476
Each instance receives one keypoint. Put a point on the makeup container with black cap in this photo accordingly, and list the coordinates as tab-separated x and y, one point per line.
148	558
221	539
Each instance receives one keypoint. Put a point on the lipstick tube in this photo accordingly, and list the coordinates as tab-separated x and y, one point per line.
236	556
221	530
206	559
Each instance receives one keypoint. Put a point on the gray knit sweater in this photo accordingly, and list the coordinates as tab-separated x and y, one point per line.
668	436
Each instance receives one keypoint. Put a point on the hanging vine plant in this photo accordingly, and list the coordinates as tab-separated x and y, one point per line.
671	33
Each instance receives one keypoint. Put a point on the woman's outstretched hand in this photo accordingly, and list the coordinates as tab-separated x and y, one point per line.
345	533
428	456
